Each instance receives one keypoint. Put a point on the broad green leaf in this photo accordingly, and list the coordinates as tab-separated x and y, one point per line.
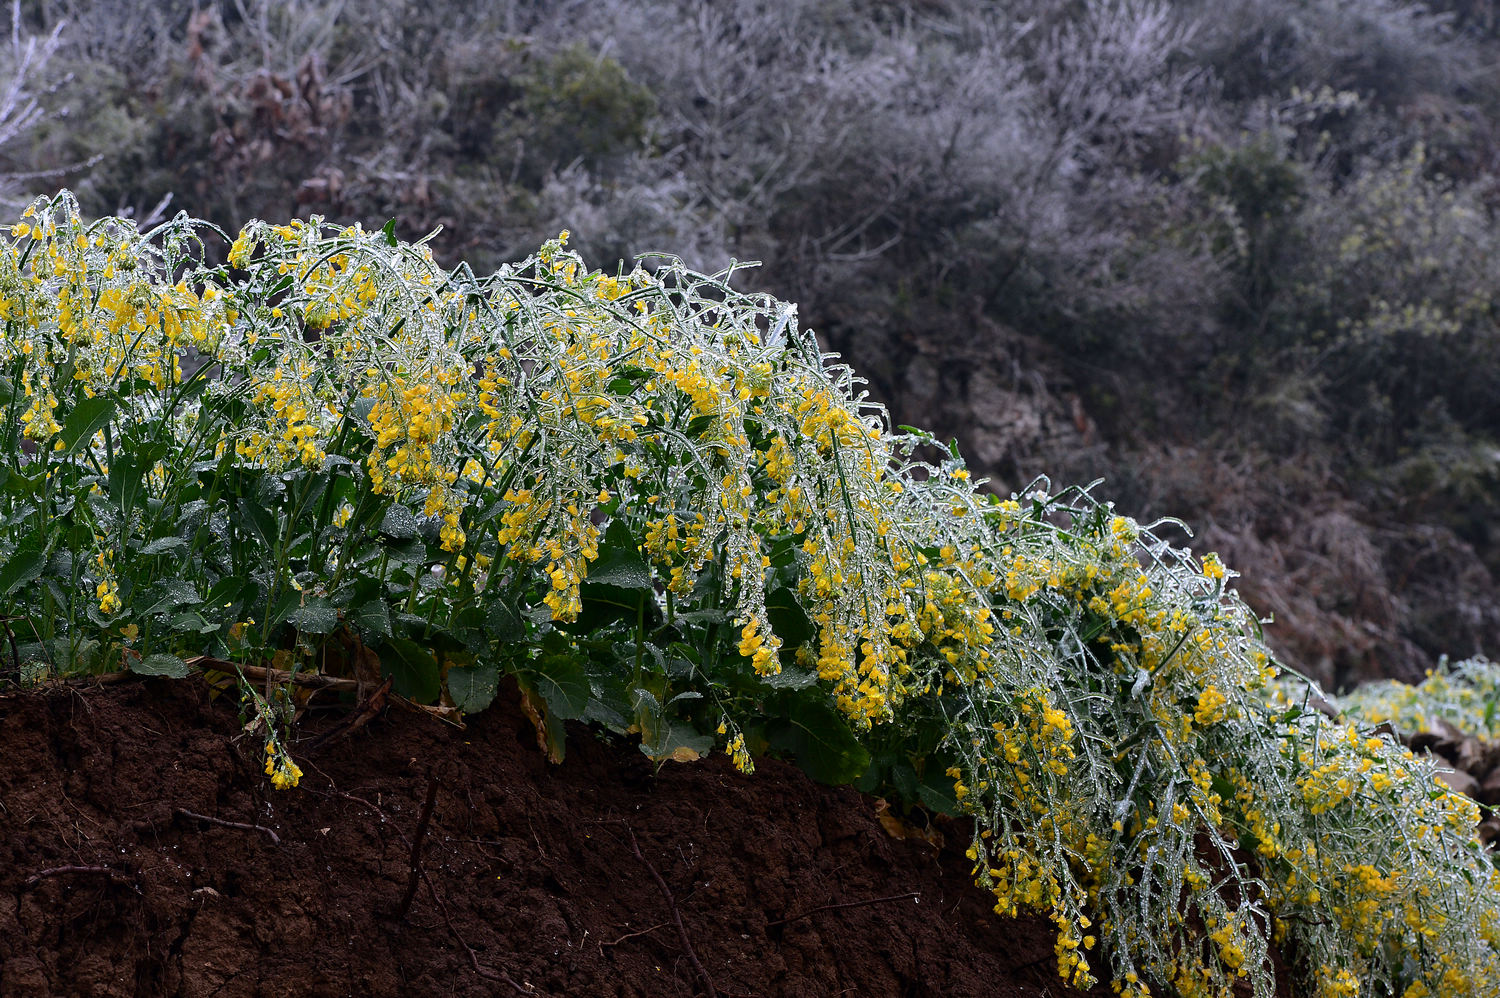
23	566
162	545
505	624
364	603
561	680
473	688
228	591
620	563
608	703
124	482
698	424
710	616
398	523
679	743
941	801
373	617
82	657
161	665
169	594
788	619
314	616
192	622
20	484
87	418
603	605
818	738
791	679
413	671
126	472
257	522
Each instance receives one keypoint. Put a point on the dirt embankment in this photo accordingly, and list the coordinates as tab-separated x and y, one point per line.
143	853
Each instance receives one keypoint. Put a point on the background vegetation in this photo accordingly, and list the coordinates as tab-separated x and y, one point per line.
1236	258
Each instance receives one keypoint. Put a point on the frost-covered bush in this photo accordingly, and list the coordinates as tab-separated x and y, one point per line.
659	507
1464	696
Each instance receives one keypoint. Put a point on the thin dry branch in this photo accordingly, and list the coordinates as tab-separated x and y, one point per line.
307	680
275	839
687	943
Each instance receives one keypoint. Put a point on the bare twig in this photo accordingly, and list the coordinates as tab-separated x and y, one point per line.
58	871
368	708
275	839
847	904
416	847
483	971
687	943
632	935
309	680
448	715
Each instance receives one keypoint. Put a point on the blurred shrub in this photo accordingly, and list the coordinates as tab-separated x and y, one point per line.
1259	228
582	107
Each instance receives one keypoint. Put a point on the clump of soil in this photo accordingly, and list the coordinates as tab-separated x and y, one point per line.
599	877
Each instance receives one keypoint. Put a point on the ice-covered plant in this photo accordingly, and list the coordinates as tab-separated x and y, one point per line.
656	504
1464	696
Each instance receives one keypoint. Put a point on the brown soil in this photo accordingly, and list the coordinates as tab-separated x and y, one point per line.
530	882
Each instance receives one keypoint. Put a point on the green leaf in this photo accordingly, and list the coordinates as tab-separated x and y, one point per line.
904	778
698	424
398	523
681	743
790	679
709	616
124	482
473	688
126	472
389	229
608	703
23	566
87	418
227	592
82	657
937	800
161	665
365	607
603	605
314	616
257	522
373	617
192	622
21	484
620	562
819	739
788	619
162	545
627	377
169	595
506	625
414	673
563	683
407	552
